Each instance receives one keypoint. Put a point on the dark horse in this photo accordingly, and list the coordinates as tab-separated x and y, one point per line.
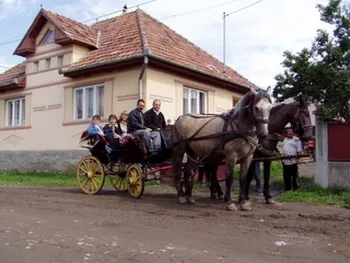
295	113
217	137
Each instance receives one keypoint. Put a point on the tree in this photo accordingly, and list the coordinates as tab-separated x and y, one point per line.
322	72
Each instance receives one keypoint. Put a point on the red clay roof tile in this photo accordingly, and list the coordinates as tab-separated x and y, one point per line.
132	33
15	73
75	30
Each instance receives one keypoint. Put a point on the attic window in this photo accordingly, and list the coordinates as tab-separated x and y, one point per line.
49	37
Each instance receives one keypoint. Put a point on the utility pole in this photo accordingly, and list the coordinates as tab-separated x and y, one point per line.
224	29
224	42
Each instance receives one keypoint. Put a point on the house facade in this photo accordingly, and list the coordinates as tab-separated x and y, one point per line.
72	71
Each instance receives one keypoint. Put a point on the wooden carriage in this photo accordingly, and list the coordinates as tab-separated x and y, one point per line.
127	167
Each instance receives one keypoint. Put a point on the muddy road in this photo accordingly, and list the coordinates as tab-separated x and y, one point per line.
39	224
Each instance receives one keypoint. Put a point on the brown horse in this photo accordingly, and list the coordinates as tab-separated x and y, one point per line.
295	113
217	137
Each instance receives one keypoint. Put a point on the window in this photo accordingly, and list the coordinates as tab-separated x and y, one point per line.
48	38
36	66
234	101
48	63
60	61
15	112
88	101
194	101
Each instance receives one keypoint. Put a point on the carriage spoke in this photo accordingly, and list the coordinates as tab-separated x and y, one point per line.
90	175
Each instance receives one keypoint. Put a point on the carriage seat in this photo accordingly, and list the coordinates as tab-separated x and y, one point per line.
89	142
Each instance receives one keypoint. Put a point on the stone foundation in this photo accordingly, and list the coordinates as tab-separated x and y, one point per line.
41	161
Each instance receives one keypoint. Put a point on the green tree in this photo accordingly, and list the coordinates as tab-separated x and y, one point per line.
322	72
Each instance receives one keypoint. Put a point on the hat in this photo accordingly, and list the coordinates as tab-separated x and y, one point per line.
288	126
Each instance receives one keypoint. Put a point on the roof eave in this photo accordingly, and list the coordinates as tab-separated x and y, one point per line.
243	89
11	84
100	66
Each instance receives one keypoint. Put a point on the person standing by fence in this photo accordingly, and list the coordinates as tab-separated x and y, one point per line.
291	146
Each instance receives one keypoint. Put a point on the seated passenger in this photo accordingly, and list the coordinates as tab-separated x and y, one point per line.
112	131
136	126
123	122
94	129
154	118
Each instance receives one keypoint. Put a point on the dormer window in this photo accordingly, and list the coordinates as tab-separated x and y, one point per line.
48	38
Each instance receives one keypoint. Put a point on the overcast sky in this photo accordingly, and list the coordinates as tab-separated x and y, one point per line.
256	36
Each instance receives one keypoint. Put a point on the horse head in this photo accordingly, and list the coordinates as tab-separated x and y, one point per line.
301	121
258	104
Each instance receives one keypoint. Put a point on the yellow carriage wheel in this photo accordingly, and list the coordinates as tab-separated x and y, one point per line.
119	183
136	185
90	175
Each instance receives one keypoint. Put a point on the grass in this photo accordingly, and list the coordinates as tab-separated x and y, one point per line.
34	178
309	192
276	170
45	179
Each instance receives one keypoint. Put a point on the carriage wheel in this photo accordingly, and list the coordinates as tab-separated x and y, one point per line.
119	183
90	175
136	184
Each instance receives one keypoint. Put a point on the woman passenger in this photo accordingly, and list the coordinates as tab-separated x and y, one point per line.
123	121
112	131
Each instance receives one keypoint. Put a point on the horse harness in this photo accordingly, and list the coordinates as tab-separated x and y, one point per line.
225	134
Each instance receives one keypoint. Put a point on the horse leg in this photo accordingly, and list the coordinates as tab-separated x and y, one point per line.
230	164
249	179
190	168
177	157
243	182
267	194
215	182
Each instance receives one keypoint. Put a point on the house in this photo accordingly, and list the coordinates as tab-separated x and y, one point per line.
72	71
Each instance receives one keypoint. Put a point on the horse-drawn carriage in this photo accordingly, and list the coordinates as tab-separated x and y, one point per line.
127	167
209	138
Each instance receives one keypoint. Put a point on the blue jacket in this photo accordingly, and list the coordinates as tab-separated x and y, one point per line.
94	130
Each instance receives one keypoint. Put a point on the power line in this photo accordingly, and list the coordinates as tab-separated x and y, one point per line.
243	8
199	10
118	11
19	38
224	29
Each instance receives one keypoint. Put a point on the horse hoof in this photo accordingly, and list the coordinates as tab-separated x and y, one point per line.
270	201
221	197
248	202
231	207
182	200
245	206
191	200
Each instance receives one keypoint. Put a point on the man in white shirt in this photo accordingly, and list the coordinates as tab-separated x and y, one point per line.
291	146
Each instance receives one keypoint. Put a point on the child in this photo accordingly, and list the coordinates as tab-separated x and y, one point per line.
291	146
112	131
94	130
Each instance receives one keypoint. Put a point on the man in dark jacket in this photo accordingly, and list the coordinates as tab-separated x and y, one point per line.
154	118
136	126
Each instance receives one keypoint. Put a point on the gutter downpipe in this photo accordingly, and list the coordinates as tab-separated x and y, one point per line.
144	66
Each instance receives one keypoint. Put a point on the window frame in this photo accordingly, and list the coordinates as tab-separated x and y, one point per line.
198	106
36	66
60	61
48	63
96	107
22	109
51	37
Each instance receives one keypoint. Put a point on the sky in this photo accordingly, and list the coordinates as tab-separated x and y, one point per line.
256	37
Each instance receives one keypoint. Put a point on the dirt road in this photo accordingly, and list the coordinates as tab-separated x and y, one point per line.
47	225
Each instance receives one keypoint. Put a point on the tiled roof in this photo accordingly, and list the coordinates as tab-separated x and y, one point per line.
16	73
132	33
120	38
73	29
